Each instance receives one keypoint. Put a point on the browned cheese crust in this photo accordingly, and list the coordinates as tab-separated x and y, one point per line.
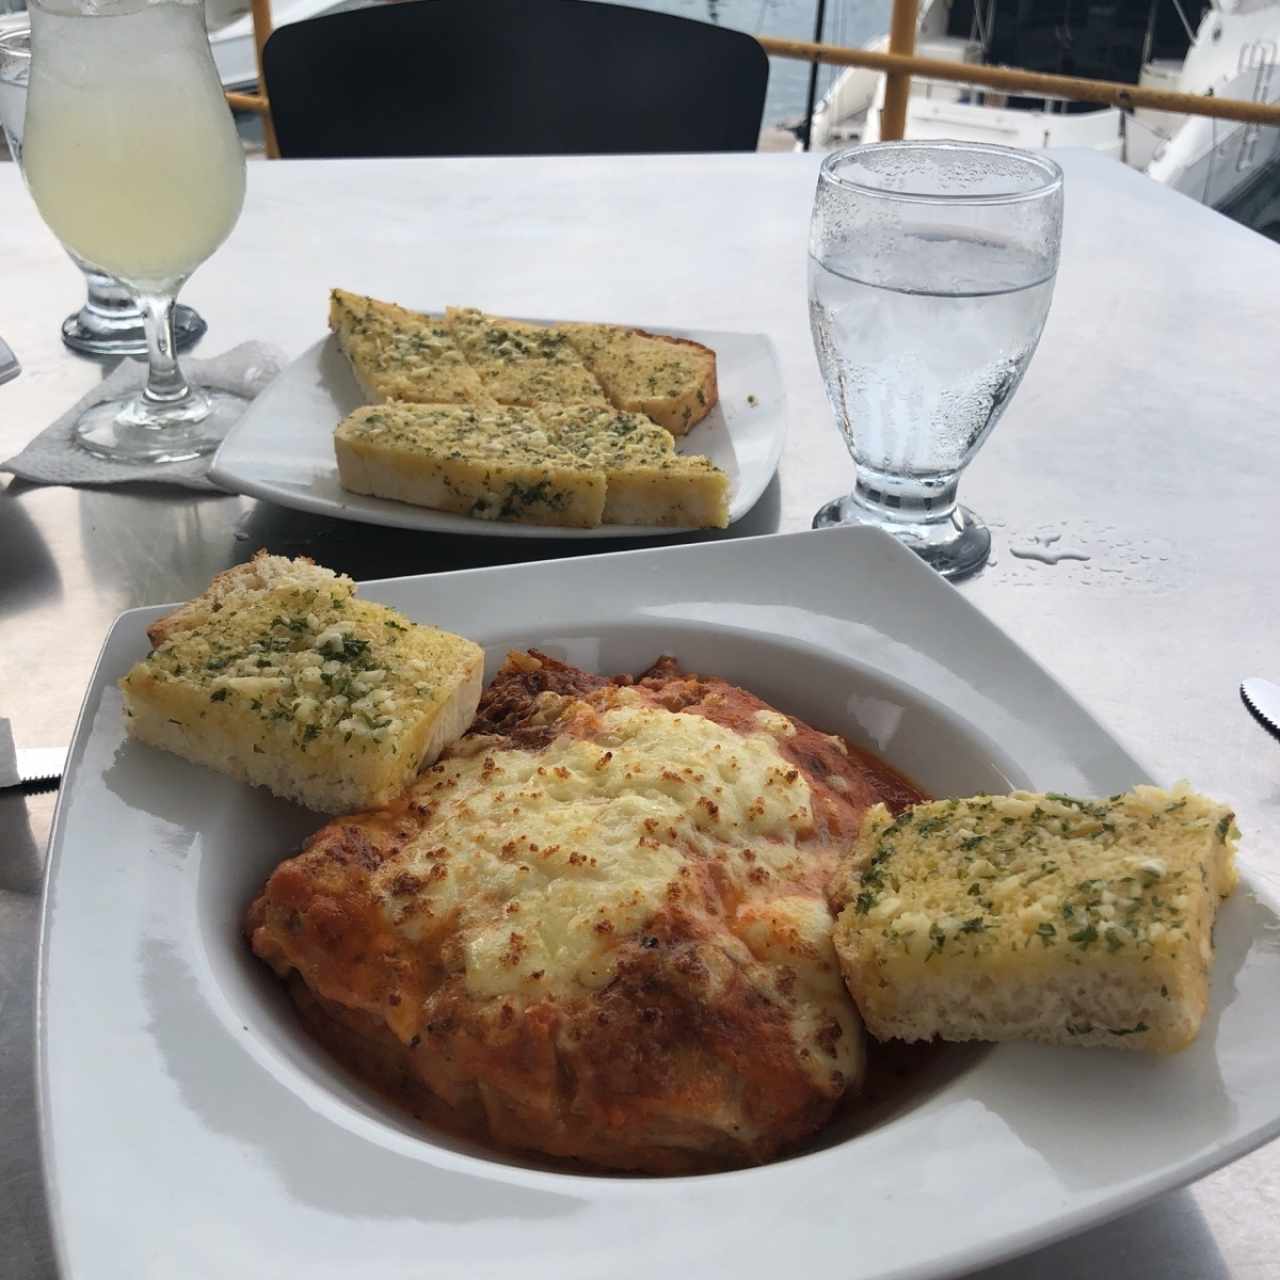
662	998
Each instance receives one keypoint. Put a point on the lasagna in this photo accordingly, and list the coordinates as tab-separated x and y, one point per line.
597	928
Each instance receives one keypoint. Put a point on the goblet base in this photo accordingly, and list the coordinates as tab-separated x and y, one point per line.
137	431
94	332
956	546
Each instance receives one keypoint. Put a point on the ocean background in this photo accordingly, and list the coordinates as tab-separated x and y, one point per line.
848	22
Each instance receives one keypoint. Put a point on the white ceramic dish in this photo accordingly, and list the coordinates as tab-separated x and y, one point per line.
191	1129
282	448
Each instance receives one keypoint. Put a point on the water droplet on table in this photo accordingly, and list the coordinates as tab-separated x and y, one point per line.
1046	554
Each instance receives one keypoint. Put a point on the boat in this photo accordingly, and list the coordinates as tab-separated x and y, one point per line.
1230	50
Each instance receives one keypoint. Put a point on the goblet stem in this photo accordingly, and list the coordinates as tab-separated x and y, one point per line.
107	296
165	382
110	322
905	498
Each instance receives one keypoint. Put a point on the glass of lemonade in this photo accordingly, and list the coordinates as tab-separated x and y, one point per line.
931	269
109	323
134	162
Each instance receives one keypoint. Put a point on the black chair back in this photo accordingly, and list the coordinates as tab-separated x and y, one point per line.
511	77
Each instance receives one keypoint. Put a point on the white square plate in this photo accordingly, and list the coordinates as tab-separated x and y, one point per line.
282	448
191	1129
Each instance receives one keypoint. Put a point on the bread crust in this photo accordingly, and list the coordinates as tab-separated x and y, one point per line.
253	575
1038	917
277	675
625	359
688	410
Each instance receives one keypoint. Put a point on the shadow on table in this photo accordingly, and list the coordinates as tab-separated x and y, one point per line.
24	1220
145	544
22	867
31	573
374	551
1168	1238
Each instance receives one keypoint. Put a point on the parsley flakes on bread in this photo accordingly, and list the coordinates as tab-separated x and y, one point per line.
612	397
1037	917
278	675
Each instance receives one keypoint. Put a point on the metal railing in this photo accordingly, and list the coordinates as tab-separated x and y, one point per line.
899	64
900	68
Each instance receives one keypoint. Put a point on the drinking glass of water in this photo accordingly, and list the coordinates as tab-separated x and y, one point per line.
109	323
134	162
931	269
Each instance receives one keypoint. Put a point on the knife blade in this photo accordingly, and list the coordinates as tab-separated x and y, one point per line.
1262	697
40	768
9	366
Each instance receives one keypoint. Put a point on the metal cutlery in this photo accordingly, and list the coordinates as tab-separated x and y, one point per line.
40	768
1262	697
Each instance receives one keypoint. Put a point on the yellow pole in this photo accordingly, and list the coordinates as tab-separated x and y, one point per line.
261	10
246	102
897	85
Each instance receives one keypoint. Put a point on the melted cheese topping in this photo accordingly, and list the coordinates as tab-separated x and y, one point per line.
601	919
541	909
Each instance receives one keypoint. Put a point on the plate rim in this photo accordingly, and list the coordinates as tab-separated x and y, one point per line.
427	520
1047	1230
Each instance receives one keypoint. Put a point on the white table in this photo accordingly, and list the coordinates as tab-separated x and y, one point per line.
1145	434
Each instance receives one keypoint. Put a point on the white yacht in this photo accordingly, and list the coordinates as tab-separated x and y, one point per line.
1228	49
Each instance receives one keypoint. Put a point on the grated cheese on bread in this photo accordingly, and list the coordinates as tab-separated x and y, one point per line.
688	492
588	461
671	380
576	467
648	482
522	364
494	464
1037	917
280	676
397	354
